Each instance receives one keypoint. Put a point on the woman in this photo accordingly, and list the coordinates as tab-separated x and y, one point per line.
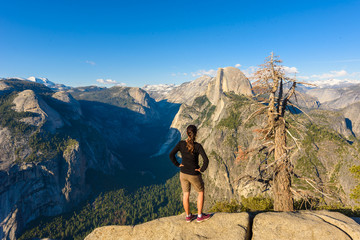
190	172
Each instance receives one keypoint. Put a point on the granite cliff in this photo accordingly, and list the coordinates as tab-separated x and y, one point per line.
42	164
53	146
352	114
227	79
326	152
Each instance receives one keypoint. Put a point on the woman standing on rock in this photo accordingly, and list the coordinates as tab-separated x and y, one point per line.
190	172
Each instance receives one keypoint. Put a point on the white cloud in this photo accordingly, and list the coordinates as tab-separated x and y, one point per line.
90	62
303	77
202	72
238	65
121	84
331	74
290	70
355	74
250	71
106	81
335	82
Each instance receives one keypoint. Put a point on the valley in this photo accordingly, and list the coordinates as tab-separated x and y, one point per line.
61	149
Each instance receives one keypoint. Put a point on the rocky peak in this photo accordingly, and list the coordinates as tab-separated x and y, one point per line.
70	102
64	97
228	79
140	96
158	92
137	100
187	92
28	101
44	81
3	86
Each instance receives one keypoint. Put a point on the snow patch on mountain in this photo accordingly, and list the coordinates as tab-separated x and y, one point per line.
159	91
159	88
334	83
44	81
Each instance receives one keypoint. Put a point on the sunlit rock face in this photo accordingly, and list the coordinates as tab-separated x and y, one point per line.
228	79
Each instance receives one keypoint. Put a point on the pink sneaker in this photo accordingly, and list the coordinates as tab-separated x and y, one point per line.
190	218
203	217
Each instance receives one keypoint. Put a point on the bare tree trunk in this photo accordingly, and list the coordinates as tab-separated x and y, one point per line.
283	200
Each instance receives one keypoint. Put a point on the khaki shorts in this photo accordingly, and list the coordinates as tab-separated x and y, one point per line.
187	180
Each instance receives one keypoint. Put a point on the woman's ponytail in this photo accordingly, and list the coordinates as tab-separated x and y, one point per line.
190	141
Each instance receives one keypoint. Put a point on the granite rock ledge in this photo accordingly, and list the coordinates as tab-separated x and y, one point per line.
312	225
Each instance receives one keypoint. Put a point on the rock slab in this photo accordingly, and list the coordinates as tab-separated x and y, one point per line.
310	225
220	226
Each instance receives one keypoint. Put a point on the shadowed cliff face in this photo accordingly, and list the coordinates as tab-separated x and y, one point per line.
54	147
352	114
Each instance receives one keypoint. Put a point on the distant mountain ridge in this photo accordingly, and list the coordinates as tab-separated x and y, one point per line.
44	81
324	91
159	91
334	83
336	98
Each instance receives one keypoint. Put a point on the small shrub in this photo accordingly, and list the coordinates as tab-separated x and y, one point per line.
355	192
229	207
246	204
256	204
199	101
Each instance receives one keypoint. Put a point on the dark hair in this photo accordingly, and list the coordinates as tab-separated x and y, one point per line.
191	131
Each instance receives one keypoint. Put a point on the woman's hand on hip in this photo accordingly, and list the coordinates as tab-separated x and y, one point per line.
181	165
198	170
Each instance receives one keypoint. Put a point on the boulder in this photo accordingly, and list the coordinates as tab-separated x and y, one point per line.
316	225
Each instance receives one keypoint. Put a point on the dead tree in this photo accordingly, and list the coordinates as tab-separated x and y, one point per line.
276	90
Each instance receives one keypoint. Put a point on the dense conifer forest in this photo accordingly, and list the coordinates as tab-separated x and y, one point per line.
111	208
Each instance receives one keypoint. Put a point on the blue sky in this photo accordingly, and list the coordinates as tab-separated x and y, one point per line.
151	42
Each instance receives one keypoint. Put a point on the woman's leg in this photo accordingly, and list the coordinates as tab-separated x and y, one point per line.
186	188
186	204
200	202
